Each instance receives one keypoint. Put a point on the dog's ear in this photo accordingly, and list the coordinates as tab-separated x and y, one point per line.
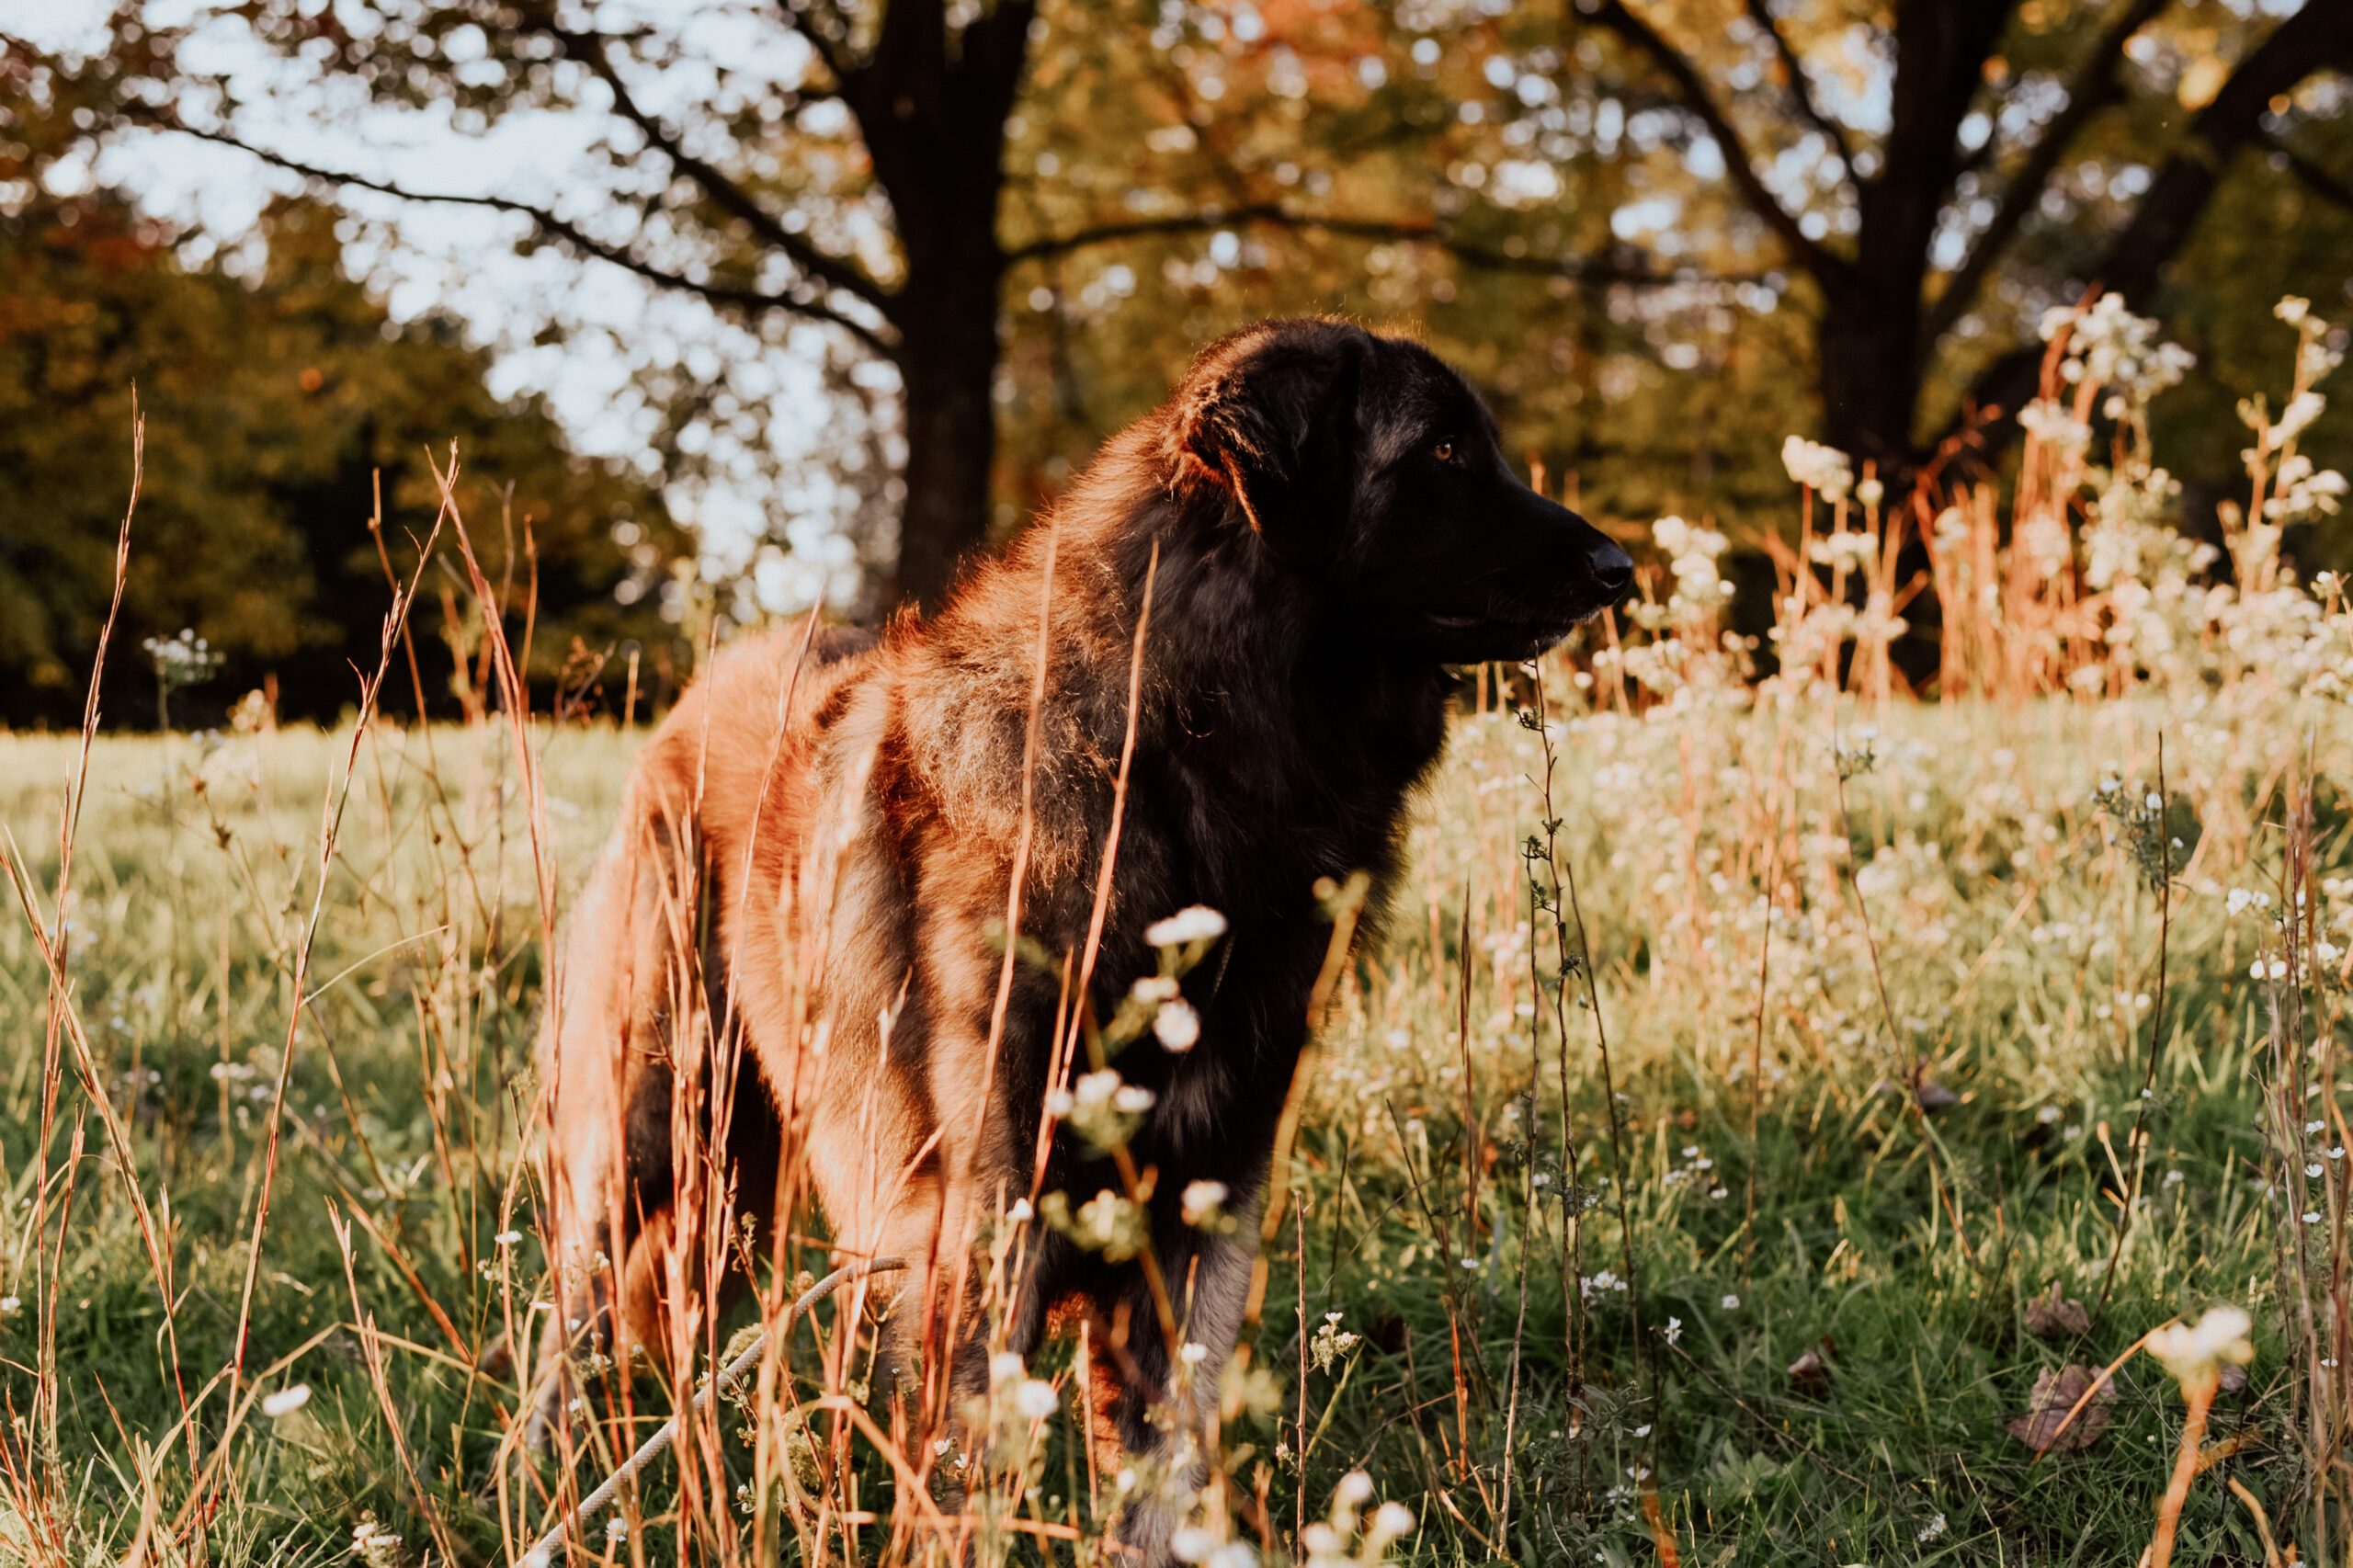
1275	426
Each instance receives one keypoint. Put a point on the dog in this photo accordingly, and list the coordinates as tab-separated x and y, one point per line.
817	852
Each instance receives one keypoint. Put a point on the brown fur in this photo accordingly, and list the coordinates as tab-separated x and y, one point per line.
816	848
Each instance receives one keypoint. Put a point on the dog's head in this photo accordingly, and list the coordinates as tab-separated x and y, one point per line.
1368	464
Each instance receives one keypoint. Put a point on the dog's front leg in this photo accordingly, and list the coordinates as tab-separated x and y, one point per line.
1161	1409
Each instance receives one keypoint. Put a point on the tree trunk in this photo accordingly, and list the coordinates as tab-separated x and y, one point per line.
1867	366
947	370
2316	37
1871	355
933	121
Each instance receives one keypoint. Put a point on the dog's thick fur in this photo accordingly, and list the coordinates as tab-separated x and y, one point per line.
1336	524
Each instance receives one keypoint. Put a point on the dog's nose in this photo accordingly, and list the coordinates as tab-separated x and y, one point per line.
1613	569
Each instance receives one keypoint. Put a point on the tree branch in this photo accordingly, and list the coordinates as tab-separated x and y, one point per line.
2094	87
801	19
2313	178
1220	217
1800	88
729	195
2319	37
1833	271
561	230
1586	269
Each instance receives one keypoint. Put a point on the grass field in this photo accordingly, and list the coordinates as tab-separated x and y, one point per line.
1684	1177
2015	939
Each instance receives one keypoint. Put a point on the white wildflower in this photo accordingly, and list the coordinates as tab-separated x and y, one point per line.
1177	1026
1818	467
1389	1521
1198	923
2194	1354
1154	988
1202	1201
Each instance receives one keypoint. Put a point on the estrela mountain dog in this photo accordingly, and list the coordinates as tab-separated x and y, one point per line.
815	853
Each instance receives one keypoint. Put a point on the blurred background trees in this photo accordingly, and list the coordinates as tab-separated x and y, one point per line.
285	412
1660	233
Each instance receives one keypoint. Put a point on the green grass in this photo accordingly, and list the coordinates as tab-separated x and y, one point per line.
2007	923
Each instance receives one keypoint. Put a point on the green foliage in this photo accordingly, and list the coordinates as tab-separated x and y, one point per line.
1900	1249
277	393
1659	369
1551	193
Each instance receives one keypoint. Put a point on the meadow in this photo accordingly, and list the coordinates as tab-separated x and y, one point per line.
1764	1107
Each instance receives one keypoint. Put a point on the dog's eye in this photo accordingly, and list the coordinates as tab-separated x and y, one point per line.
1443	452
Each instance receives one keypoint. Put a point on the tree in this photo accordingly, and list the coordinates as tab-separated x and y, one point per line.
283	414
849	166
1889	300
1662	231
845	170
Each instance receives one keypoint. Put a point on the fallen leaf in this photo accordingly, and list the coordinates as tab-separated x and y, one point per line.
2055	1317
1810	1375
2055	1394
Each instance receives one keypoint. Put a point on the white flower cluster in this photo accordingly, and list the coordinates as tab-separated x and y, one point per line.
1203	1204
2196	1353
1603	1282
2112	347
1198	923
1173	1022
1344	1538
1818	467
1847	549
184	659
1106	1223
1030	1399
2300	491
2049	422
1330	1343
373	1544
2315	357
1104	1108
1691	554
1194	1544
